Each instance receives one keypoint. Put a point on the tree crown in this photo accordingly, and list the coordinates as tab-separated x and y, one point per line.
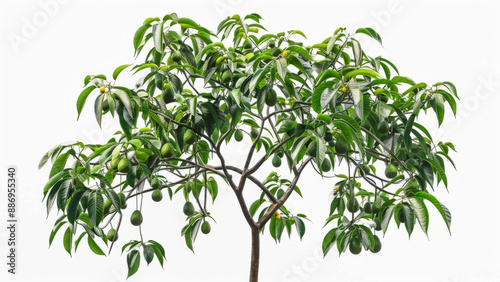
325	104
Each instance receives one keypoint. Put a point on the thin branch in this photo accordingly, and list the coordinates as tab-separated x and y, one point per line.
285	196
256	182
370	181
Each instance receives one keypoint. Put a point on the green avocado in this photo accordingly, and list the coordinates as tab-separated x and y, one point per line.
352	206
177	56
311	149
367	207
188	208
136	218
383	127
157	195
155	182
114	162
271	98
238	135
226	77
247	44
355	246
123	165
341	146
326	165
391	171
167	150
378	245
189	137
168	94
112	235
276	161
205	227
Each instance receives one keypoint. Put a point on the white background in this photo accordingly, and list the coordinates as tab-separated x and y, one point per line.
58	44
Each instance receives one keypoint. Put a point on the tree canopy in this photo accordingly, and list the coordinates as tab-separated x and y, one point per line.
325	105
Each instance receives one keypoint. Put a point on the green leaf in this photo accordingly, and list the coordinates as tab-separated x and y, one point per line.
440	171
299	50
407	132
290	32
98	108
148	253
409	218
158	37
258	76
421	212
358	53
370	32
94	247
323	94
95	207
329	241
118	70
133	262
139	35
54	231
357	97
64	193
82	98
443	210
301	228
282	67
145	66
125	99
395	179
47	156
386	218
115	200
326	74
159	252
188	22
255	206
451	101
364	72
68	240
59	164
437	103
236	95
73	205
366	236
213	188
272	228
331	42
345	129
287	126
349	120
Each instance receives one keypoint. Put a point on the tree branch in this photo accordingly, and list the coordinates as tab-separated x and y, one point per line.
285	196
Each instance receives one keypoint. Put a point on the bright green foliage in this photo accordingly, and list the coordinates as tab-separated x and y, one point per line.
325	104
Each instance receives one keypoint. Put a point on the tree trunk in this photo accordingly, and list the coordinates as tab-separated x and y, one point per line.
254	264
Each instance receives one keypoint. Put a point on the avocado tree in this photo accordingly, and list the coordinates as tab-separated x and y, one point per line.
329	106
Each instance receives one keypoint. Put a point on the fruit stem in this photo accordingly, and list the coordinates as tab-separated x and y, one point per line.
255	258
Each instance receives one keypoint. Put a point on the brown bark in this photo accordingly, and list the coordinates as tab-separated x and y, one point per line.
254	263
